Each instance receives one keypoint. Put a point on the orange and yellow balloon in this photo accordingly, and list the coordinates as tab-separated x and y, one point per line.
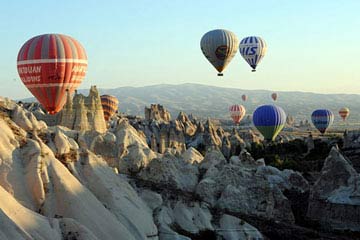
110	105
344	113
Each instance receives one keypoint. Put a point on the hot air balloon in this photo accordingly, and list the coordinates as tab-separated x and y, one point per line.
49	65
344	113
110	105
269	120
219	47
322	119
274	96
237	112
244	97
252	49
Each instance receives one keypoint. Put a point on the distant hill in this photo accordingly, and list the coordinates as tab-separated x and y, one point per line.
210	101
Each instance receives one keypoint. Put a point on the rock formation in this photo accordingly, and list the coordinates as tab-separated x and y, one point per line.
79	113
335	197
157	112
83	113
62	183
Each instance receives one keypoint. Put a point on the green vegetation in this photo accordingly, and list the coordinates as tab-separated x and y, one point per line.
293	155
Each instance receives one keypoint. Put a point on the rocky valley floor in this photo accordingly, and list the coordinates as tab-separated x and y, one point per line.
176	180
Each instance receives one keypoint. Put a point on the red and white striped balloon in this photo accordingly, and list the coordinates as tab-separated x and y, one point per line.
237	112
50	64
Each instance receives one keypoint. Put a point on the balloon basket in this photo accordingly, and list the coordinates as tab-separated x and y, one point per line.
220	74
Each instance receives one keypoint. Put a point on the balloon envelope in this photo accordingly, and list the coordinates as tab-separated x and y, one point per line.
269	120
110	105
237	112
219	47
344	112
244	97
322	119
252	49
274	96
49	65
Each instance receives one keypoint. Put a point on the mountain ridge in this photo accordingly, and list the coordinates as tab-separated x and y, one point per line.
213	101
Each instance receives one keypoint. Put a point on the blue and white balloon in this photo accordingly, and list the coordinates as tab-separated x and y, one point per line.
322	119
269	120
253	49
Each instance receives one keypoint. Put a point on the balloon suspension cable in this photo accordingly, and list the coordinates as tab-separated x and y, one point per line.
220	74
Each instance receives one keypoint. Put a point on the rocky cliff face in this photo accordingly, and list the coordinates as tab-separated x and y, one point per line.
157	112
84	113
79	113
351	147
61	183
335	197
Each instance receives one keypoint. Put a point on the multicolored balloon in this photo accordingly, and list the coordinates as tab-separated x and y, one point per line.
269	120
274	96
237	112
253	49
344	113
110	105
219	47
49	65
244	97
322	119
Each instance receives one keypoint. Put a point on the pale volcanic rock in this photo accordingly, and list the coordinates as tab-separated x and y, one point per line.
117	195
335	197
192	219
83	113
239	189
285	180
236	142
257	199
211	139
79	203
36	176
157	112
25	223
152	199
171	171
71	229
105	145
233	228
133	151
188	126
62	143
226	147
212	158
192	156
26	120
165	218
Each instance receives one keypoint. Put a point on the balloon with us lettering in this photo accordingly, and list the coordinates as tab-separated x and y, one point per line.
50	65
253	49
269	120
219	46
322	119
237	112
344	113
110	105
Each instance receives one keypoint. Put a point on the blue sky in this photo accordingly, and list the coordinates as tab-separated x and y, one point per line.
312	45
